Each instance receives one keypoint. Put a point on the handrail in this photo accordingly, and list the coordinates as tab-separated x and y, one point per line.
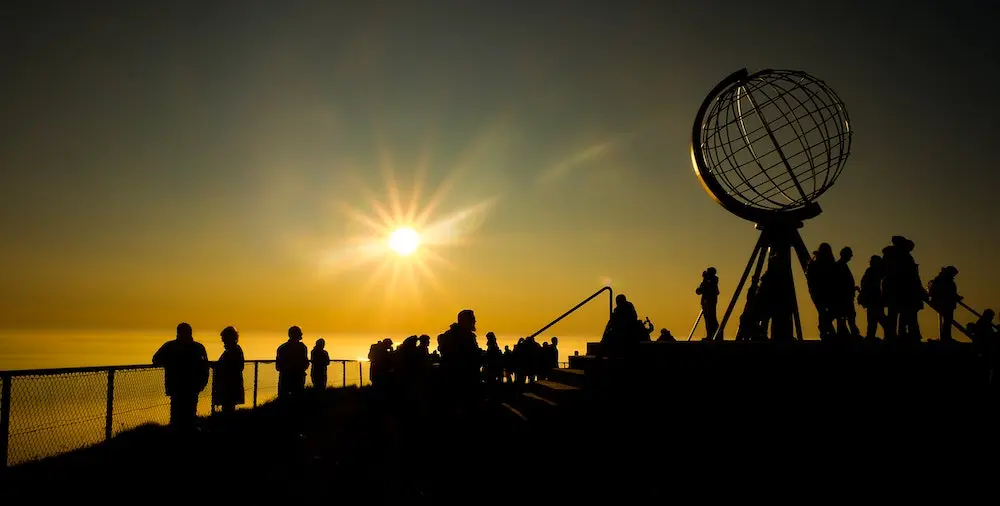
973	311
611	309
13	373
954	322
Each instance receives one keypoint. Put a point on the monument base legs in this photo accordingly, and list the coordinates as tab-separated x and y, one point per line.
771	302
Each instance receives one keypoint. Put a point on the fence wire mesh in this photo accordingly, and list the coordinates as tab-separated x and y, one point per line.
53	412
138	399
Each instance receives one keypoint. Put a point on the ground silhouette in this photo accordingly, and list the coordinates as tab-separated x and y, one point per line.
355	445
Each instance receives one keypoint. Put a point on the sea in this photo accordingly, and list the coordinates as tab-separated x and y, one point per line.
52	412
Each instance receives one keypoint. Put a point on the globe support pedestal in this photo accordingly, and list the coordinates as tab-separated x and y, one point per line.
776	304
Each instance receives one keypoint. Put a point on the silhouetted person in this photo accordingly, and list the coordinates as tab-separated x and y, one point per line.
914	293
423	346
185	375
319	361
227	385
554	353
944	298
709	292
903	291
532	358
870	297
461	357
517	361
649	328
423	367
843	296
891	290
508	365
543	361
493	367
620	331
424	343
406	360
665	337
767	304
985	337
292	361
820	276
380	362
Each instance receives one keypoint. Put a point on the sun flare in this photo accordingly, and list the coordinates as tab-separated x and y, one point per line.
404	241
400	237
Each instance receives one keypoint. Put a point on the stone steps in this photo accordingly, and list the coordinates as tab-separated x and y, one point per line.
545	401
572	377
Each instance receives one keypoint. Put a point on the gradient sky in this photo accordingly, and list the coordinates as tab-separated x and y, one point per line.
202	163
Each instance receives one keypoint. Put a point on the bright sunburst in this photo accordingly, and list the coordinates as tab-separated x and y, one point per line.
403	235
404	241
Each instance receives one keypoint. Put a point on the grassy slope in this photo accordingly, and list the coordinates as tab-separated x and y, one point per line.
347	446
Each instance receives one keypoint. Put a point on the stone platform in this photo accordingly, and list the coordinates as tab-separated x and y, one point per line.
773	382
799	412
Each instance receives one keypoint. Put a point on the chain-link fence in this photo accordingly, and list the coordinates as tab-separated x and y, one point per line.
52	411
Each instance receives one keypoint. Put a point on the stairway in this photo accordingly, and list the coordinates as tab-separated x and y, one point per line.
545	401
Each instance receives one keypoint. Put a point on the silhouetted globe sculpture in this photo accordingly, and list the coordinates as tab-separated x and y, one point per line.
771	143
765	146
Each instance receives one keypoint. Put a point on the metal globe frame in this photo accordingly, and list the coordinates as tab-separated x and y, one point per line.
779	228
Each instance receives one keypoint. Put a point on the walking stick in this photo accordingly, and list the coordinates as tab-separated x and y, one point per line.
696	322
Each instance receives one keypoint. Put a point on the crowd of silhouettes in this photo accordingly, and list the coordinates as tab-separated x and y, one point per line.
464	369
891	293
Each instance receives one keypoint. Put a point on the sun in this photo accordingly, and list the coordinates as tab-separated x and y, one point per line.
404	233
404	241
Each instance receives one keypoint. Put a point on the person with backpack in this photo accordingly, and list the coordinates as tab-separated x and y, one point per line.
943	294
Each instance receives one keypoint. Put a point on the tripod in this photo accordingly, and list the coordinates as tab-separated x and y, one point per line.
776	302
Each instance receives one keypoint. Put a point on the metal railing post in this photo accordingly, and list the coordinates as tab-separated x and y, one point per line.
109	415
5	419
361	374
343	370
611	302
256	370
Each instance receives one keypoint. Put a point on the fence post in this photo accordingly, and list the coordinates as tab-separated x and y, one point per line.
5	419
361	374
111	404
256	369
343	371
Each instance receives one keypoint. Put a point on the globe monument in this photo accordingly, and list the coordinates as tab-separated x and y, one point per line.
766	146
